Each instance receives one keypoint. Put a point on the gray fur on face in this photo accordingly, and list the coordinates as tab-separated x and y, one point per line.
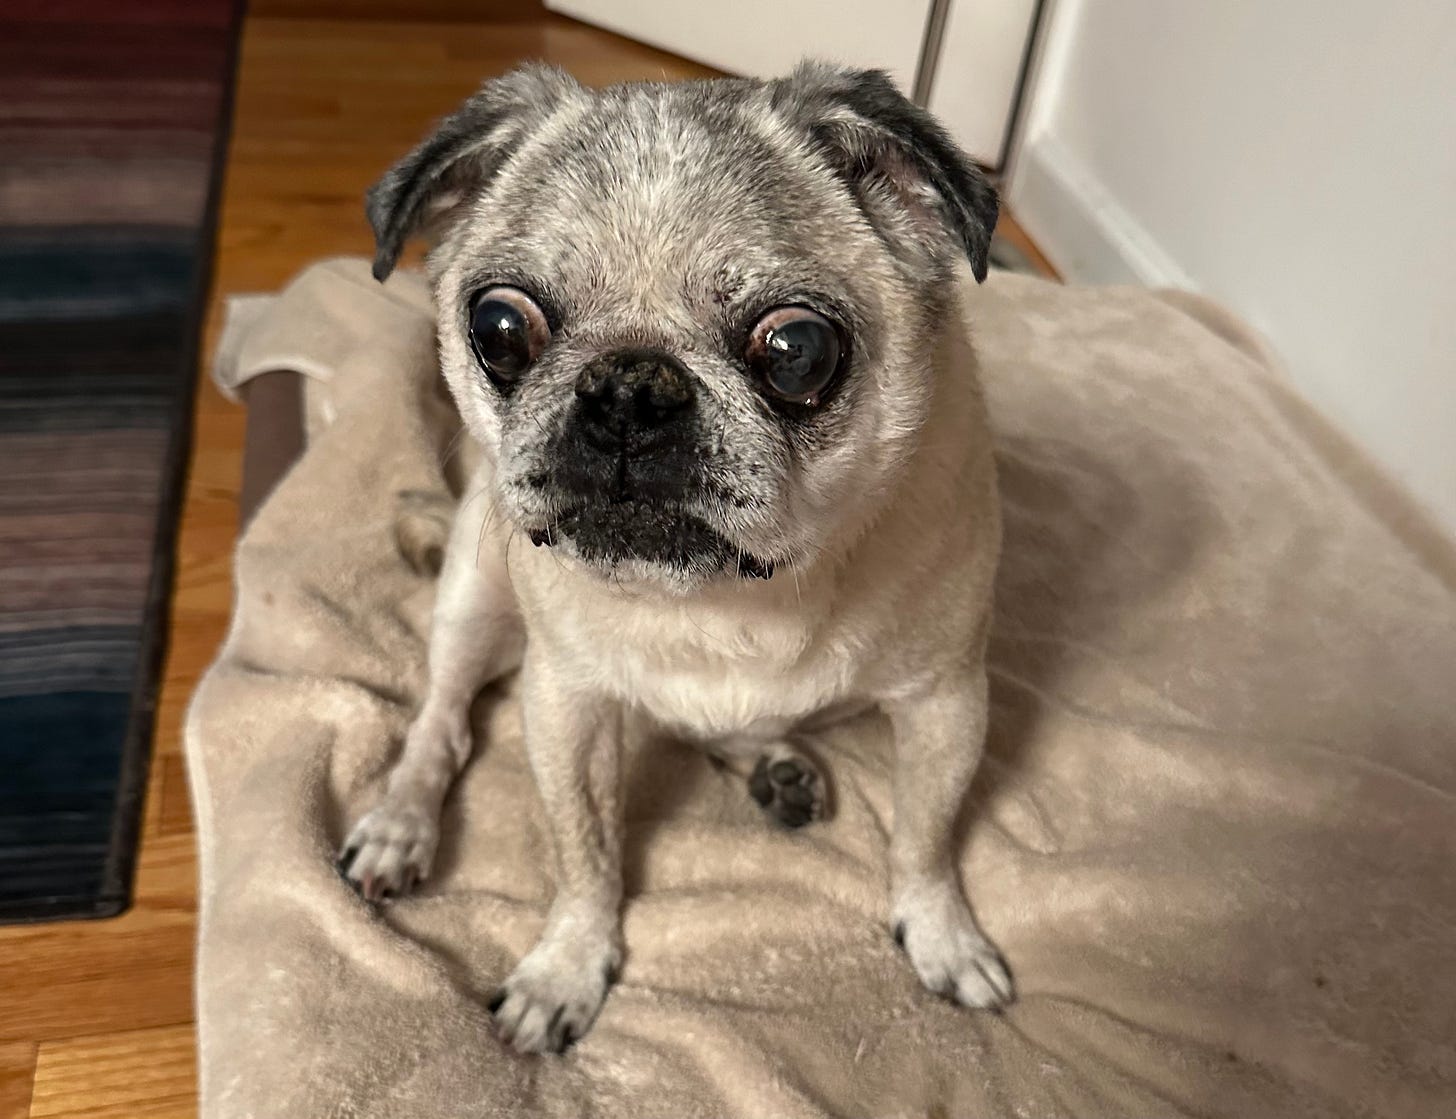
670	218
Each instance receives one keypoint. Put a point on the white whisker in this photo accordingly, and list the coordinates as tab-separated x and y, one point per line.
452	447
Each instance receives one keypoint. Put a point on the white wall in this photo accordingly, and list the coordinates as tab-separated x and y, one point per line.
1294	160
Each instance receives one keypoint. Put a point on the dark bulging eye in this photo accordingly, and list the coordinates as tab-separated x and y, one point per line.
796	353
508	331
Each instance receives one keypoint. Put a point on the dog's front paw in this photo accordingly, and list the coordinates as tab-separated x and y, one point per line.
949	953
391	849
553	996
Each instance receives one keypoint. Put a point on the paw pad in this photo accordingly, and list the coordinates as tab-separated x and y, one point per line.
789	789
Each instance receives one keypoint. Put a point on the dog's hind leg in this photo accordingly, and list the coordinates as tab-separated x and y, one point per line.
422	525
783	778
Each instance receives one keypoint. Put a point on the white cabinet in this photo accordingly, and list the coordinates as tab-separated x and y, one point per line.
976	74
963	57
764	38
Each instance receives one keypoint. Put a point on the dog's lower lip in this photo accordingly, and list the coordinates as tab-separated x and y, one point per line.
746	565
751	567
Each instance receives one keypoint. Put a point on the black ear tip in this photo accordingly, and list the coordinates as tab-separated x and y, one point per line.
386	255
377	206
978	252
984	204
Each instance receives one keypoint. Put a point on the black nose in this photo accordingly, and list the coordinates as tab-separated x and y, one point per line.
633	391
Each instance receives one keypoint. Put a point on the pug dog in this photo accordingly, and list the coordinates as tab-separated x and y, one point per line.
710	338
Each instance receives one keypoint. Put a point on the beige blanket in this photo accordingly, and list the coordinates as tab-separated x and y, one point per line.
1215	834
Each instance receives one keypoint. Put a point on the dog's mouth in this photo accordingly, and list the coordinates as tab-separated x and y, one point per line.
607	534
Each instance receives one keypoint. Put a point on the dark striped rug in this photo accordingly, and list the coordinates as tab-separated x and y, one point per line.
112	121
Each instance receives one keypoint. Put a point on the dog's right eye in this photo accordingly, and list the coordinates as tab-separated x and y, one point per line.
508	331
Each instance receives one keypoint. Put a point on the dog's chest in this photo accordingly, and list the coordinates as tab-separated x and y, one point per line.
710	674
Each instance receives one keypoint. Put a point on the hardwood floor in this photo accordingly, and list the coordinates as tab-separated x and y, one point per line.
97	1016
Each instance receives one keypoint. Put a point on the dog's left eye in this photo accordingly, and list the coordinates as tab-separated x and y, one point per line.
508	331
796	353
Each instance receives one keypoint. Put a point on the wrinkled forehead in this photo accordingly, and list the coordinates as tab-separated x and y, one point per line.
659	196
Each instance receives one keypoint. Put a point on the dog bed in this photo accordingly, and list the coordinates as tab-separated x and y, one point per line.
1215	832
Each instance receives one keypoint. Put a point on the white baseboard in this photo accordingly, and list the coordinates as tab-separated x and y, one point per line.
1082	229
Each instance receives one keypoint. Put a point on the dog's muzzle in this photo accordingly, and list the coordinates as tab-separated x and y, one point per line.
629	462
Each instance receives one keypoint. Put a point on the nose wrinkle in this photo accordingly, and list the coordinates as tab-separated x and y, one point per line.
633	388
657	384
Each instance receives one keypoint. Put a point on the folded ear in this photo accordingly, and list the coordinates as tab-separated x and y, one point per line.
462	155
908	175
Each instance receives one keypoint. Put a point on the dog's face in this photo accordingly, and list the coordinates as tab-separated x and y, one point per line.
694	325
